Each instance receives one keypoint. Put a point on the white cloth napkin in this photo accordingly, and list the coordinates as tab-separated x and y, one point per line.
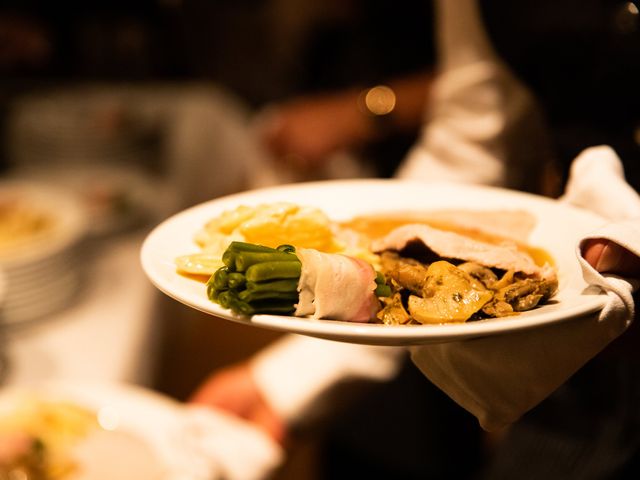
498	379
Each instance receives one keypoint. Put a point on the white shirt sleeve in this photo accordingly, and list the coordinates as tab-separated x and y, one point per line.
482	124
295	373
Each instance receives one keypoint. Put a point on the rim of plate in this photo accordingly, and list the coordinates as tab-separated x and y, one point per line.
583	302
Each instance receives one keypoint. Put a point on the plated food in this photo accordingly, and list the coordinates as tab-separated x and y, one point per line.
37	437
359	214
413	273
36	219
21	222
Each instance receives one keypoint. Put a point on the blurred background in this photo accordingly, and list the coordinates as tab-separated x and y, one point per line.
116	114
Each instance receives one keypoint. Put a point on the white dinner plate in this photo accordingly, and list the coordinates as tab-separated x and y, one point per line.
121	445
558	227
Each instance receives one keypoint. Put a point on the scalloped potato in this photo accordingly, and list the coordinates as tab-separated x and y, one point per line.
270	225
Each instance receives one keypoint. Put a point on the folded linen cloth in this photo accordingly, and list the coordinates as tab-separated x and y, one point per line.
500	378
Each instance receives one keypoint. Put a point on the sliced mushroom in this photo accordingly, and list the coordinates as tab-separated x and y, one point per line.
405	272
449	295
521	295
393	312
482	273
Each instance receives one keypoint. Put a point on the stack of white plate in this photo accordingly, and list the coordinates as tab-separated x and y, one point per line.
41	233
75	126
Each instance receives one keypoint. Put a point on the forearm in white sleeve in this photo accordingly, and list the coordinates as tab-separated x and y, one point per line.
482	125
296	372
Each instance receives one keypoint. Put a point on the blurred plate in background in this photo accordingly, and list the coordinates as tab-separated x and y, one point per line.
115	197
41	232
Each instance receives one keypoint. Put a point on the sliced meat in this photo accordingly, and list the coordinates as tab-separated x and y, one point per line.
405	272
336	287
450	245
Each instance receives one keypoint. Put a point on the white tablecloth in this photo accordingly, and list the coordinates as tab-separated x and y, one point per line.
106	335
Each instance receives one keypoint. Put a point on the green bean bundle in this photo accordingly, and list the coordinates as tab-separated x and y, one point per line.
258	279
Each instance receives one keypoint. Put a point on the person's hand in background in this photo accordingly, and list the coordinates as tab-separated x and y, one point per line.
234	390
305	132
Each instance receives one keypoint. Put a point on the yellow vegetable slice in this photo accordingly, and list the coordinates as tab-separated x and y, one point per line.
199	263
449	295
